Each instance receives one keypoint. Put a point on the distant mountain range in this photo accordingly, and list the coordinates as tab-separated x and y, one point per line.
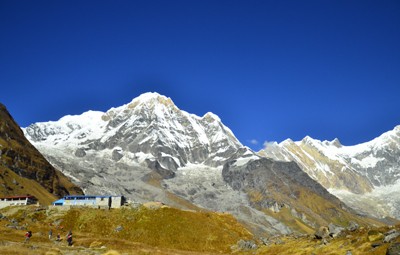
23	170
365	176
150	150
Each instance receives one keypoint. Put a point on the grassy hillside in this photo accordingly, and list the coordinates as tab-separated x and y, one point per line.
23	170
360	242
165	230
12	184
162	229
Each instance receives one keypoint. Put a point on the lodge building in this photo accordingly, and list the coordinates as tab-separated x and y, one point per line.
91	201
17	200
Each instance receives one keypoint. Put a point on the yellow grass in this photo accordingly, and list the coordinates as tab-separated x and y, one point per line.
144	231
160	231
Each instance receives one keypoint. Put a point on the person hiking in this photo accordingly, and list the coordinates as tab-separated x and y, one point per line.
69	238
28	235
50	233
58	237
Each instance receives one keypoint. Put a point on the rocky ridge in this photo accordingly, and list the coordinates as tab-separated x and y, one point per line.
24	170
150	150
365	176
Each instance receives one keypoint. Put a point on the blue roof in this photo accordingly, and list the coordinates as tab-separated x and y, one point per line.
71	196
80	196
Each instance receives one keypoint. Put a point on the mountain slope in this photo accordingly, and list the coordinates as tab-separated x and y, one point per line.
365	176
149	149
23	169
150	132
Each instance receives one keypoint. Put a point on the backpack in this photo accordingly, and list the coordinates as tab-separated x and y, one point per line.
29	234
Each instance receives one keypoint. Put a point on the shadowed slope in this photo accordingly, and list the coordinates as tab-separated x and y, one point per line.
23	170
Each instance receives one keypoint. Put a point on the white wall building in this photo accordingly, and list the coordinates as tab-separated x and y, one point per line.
17	200
91	201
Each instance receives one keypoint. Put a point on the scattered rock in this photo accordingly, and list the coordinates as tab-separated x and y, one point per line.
349	253
118	229
353	226
393	249
324	242
41	208
374	245
246	245
275	207
334	231
265	241
390	232
321	233
391	237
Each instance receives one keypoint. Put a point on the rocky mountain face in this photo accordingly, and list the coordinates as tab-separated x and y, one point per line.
365	176
150	150
24	170
150	132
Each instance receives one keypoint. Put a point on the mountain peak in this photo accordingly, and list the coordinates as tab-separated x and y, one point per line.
307	139
151	97
336	142
149	100
211	117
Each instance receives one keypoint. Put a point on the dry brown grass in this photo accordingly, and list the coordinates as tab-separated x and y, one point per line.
144	231
158	231
356	242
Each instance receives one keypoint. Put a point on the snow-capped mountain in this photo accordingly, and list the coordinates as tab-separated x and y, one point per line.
150	131
366	176
149	149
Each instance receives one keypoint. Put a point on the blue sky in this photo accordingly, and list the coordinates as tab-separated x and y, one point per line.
270	70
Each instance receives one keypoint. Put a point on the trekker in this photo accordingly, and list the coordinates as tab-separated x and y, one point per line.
28	235
50	233
69	238
58	237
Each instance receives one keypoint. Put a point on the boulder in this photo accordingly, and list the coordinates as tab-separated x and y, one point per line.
389	238
321	233
117	155
334	231
353	226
